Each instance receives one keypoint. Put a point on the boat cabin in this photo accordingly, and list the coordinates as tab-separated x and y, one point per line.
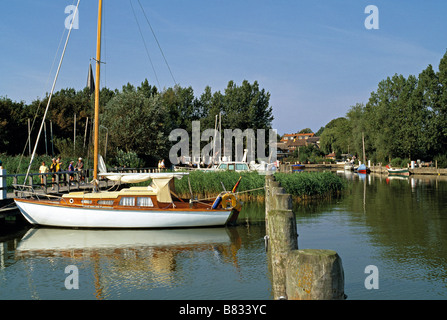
233	166
158	194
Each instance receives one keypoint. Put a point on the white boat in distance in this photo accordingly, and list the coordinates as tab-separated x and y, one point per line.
135	207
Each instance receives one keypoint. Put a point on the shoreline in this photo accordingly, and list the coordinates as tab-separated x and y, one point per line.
374	168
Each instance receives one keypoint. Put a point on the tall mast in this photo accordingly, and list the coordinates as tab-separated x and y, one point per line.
363	143
98	63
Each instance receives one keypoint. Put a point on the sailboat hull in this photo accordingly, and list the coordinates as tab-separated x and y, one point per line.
48	214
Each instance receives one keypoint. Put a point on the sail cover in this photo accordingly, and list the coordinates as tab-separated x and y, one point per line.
141	177
160	181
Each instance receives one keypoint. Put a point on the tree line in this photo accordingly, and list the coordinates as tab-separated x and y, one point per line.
135	121
405	117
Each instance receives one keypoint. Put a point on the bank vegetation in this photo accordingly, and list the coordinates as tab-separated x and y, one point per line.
302	185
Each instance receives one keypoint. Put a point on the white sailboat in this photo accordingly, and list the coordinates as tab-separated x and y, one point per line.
135	207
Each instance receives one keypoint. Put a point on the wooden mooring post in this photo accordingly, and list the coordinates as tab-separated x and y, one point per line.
309	274
3	190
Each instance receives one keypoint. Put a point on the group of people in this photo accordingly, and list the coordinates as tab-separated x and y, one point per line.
161	164
57	166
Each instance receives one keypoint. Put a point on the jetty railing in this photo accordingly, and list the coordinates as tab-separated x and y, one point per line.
56	182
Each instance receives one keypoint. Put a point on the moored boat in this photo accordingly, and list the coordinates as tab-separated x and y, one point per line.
362	169
135	207
398	171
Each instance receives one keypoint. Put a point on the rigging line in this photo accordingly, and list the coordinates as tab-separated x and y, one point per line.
144	42
155	37
51	93
40	102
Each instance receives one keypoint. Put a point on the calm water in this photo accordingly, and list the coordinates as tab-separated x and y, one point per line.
399	226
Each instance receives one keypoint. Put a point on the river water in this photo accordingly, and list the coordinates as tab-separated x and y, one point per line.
399	226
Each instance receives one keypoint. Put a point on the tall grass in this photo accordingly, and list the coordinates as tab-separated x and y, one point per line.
311	183
210	184
303	184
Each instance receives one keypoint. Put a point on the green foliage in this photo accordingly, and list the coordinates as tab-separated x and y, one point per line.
334	137
127	159
399	163
306	130
67	150
208	184
311	183
309	153
442	160
136	123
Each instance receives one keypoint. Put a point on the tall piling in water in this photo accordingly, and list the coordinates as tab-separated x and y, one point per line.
309	274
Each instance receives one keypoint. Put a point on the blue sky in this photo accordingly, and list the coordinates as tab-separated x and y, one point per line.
316	58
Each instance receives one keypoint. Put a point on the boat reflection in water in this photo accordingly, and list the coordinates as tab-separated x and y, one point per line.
129	259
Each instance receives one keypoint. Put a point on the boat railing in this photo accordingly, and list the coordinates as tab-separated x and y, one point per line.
34	194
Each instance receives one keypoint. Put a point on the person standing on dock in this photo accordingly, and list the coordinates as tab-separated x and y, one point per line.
53	168
71	170
43	169
80	168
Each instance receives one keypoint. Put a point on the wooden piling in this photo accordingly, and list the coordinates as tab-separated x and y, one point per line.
3	194
314	274
307	274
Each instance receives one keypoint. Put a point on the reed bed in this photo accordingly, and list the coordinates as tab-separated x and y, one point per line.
311	183
206	185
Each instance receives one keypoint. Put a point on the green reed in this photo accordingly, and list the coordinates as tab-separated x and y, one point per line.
303	184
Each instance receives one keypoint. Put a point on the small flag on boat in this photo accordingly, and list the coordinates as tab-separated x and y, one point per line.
236	185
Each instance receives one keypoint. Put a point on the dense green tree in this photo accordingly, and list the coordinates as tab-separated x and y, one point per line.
356	117
335	137
136	123
319	132
182	107
246	106
11	119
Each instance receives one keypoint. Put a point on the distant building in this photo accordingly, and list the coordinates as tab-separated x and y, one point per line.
290	142
296	136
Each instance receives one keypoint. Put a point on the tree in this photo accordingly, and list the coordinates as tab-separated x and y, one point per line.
247	106
319	132
306	130
335	137
137	123
11	128
357	119
182	107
